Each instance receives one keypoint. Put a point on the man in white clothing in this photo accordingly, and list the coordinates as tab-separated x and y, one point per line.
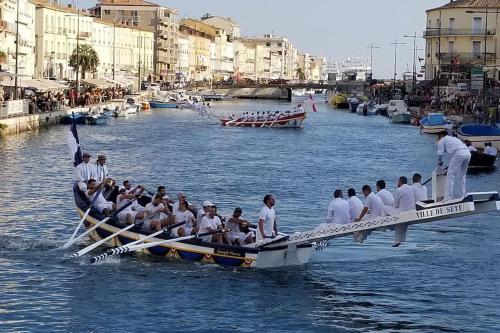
101	168
419	190
157	216
355	205
338	209
203	211
100	204
267	227
211	222
458	163
84	172
382	193
374	205
488	149
404	200
470	146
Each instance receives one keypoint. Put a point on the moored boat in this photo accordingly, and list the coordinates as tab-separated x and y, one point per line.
480	160
163	104
339	101
98	120
401	117
396	105
79	118
433	123
366	109
479	134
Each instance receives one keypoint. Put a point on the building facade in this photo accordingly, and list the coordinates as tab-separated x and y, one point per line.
121	48
161	21
8	32
201	41
461	37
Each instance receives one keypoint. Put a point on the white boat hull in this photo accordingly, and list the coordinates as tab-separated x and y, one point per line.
479	141
432	129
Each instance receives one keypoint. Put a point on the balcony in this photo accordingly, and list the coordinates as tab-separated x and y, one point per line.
435	32
466	56
84	34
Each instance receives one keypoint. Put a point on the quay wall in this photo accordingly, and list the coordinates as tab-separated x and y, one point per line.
29	122
273	93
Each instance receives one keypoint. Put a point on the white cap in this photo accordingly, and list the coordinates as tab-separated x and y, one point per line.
207	203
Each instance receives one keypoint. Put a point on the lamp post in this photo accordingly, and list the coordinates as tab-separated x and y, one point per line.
395	43
371	47
414	78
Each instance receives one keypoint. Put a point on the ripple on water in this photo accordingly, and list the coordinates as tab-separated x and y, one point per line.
445	279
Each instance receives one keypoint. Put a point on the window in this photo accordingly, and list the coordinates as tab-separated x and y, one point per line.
451	46
476	47
280	44
452	23
268	44
107	12
477	24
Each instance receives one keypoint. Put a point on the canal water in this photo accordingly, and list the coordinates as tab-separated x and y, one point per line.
444	279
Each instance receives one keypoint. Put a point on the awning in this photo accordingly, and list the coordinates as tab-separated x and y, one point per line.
121	81
40	85
99	83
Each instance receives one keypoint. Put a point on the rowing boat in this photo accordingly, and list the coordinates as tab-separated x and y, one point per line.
479	134
282	121
285	250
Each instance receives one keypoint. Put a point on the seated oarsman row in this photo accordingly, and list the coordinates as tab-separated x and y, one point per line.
383	203
100	203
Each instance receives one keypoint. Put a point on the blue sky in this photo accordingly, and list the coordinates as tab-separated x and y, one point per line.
330	28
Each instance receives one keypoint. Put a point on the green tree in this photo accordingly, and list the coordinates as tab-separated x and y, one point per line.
300	74
87	60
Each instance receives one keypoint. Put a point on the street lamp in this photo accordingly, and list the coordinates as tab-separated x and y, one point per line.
395	43
371	47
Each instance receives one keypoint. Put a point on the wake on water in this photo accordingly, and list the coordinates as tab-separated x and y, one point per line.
19	243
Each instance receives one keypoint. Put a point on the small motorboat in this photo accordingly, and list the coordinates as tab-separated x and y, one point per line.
107	112
164	103
401	117
78	117
339	101
479	134
396	105
382	109
480	160
98	119
433	123
369	110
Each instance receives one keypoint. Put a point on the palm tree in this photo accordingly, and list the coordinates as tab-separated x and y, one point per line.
88	59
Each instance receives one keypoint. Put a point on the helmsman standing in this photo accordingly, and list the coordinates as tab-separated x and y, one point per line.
267	219
458	163
84	172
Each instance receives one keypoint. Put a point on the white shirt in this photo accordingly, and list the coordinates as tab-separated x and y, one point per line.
185	216
450	145
85	171
268	215
472	148
490	151
101	172
355	208
150	208
99	201
419	191
405	198
175	207
386	196
200	214
338	212
374	204
207	222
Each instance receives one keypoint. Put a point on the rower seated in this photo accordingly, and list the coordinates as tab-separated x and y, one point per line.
157	216
184	215
237	225
489	149
211	222
470	146
100	204
128	215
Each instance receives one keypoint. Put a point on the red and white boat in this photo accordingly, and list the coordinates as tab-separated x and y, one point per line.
281	120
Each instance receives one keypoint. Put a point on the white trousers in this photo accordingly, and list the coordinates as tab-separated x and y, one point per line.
457	170
399	230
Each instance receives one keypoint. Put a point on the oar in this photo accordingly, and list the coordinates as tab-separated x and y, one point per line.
265	121
127	249
117	250
104	240
82	220
74	240
273	122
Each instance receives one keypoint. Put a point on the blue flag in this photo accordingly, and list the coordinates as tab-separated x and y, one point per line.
75	151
